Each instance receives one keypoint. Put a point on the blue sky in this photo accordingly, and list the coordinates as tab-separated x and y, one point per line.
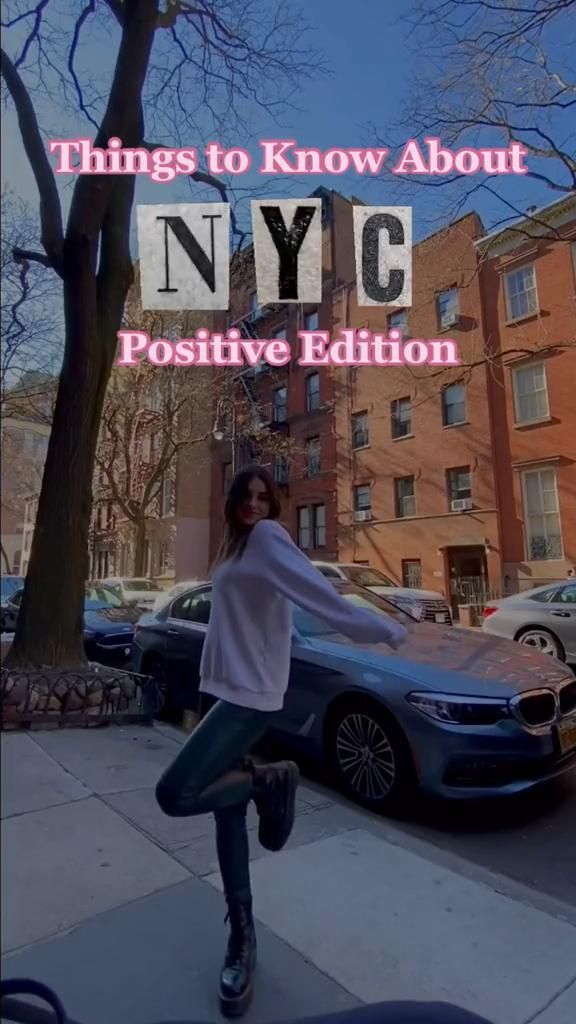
365	46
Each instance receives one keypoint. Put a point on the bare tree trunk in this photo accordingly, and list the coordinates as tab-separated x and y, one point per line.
140	548
97	273
50	623
6	560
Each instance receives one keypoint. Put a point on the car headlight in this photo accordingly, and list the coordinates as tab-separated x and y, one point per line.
457	709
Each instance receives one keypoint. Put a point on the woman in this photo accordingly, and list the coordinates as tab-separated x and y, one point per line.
245	667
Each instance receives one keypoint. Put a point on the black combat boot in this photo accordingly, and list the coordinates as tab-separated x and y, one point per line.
275	788
237	977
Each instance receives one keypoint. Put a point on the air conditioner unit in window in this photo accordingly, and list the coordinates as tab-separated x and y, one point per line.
363	515
451	320
461	504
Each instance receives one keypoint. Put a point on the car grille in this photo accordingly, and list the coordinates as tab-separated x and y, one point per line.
434	608
543	706
568	698
115	640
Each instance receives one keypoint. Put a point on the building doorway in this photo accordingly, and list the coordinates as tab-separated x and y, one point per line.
468	575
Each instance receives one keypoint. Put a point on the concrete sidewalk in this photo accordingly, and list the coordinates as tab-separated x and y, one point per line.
118	907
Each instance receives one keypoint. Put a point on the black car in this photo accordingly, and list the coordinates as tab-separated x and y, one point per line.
108	625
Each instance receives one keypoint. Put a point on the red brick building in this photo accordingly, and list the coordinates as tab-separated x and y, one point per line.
295	400
412	469
529	306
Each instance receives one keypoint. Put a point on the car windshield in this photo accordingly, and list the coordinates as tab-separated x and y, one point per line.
142	585
309	625
364	576
100	597
10	584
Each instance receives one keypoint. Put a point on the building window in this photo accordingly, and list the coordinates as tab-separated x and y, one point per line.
280	405
401	417
313	456
280	467
312	527
363	502
405	497
360	432
398	321
412	573
253	302
163	560
453	405
312	392
226	477
530	393
319	512
448	308
146	449
543	532
304	528
167	497
520	291
459	487
280	333
312	321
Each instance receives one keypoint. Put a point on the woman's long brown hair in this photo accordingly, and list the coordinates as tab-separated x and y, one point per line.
235	534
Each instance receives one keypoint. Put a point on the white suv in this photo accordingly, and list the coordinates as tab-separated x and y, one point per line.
423	604
140	592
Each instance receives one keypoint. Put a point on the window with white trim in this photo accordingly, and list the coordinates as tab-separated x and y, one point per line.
363	499
360	430
405	496
280	404
542	515
530	393
304	528
401	417
448	307
312	392
280	469
520	292
398	321
319	515
453	405
312	321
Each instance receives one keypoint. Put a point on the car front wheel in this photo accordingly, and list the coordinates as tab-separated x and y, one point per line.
371	756
542	640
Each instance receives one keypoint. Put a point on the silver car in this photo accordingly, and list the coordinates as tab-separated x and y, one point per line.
543	618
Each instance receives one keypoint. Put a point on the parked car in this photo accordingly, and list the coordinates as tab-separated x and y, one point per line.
168	595
108	625
426	604
543	618
9	586
140	592
453	712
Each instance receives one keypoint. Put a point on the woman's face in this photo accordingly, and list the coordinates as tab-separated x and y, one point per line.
256	504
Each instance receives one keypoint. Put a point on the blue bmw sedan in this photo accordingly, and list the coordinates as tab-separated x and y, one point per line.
454	712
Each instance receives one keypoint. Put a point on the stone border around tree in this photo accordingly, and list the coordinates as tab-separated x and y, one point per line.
58	697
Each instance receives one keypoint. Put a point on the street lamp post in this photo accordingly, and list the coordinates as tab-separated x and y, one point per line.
226	404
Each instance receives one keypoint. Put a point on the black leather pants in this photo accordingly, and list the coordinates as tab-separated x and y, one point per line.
210	774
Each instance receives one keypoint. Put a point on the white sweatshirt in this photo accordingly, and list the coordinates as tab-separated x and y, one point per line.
246	655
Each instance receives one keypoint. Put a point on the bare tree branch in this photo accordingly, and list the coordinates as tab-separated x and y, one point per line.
50	210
